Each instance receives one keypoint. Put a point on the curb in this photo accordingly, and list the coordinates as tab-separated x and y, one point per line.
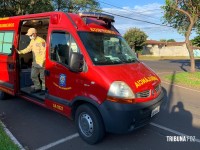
11	136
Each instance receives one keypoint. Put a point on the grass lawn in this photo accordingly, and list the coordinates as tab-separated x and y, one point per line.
149	57
5	142
184	78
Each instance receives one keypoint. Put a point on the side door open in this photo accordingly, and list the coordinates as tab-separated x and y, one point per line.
25	60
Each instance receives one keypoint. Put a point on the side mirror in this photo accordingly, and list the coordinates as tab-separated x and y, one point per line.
76	62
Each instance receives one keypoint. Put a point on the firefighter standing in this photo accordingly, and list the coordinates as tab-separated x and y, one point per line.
38	47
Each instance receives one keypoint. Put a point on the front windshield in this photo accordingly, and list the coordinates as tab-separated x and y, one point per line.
107	49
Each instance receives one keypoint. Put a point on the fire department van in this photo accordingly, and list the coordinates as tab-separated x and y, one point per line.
92	76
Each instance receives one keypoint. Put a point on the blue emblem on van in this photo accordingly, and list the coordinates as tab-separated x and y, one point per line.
62	80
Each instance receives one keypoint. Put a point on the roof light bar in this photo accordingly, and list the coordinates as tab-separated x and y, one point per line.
100	16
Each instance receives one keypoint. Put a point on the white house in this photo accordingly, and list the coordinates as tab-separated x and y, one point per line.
157	48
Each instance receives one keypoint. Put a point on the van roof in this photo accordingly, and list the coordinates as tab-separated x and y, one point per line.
93	22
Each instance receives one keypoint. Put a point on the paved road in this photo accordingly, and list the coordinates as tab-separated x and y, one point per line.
36	127
171	65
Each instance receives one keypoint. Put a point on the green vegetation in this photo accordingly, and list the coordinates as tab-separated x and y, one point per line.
196	40
186	79
5	142
169	40
149	57
185	17
22	7
135	38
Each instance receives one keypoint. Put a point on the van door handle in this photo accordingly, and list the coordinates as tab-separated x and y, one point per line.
11	66
46	72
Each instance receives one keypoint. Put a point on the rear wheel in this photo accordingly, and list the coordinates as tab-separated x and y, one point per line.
2	95
89	123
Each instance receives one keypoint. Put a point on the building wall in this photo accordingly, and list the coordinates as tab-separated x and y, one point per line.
162	50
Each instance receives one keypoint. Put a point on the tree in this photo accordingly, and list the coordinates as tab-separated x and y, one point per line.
196	41
38	6
76	5
163	40
22	7
135	38
60	5
7	8
171	40
183	15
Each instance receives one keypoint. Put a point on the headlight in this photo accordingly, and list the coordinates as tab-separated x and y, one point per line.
120	92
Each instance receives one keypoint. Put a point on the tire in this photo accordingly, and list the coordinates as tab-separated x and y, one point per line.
89	124
2	95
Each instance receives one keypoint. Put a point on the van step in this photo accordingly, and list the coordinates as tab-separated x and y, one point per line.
27	91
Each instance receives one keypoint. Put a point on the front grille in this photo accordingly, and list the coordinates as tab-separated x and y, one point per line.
143	94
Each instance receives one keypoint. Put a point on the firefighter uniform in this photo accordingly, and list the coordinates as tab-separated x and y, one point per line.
38	48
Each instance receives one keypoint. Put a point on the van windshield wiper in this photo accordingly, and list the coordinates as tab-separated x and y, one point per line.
131	60
108	61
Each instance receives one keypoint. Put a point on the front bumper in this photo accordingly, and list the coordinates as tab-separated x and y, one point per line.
123	118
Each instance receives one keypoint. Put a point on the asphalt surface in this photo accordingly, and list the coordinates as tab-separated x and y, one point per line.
36	127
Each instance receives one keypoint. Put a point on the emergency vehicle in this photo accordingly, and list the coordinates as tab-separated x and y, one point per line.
92	76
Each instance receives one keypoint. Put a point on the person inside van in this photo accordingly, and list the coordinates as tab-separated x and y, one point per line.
38	47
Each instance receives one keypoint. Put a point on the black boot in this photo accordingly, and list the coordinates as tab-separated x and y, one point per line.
42	92
35	91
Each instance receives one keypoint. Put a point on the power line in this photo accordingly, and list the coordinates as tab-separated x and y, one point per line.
152	10
132	18
131	10
136	19
139	20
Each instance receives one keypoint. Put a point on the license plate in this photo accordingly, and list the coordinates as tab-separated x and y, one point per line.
155	111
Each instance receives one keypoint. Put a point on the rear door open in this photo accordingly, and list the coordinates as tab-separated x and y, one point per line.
8	40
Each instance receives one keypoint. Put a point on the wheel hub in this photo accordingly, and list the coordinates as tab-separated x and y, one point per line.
86	124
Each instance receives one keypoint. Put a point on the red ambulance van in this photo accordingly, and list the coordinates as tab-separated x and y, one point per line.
92	76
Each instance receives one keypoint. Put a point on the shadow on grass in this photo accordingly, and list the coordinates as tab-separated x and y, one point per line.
185	64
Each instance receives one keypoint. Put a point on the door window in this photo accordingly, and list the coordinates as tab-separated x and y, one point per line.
61	45
6	41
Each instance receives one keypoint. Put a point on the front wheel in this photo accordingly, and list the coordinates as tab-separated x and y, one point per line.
89	123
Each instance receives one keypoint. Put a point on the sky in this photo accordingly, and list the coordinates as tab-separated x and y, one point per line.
146	10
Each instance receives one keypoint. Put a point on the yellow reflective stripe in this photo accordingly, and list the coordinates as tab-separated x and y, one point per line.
6	18
7	25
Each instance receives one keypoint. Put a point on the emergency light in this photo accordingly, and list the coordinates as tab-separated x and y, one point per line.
55	18
100	16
